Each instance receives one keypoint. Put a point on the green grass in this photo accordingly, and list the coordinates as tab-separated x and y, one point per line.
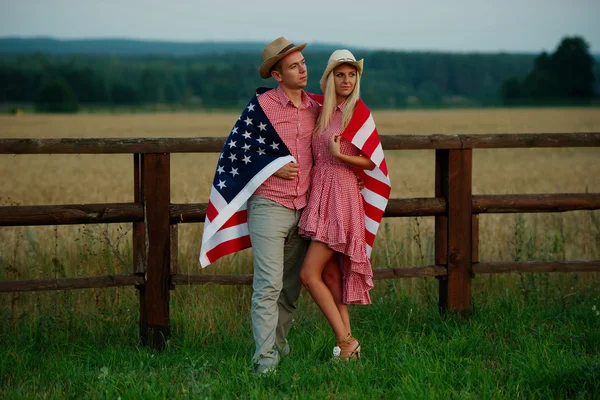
533	336
509	348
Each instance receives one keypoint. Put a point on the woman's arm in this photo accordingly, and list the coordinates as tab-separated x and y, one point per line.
353	161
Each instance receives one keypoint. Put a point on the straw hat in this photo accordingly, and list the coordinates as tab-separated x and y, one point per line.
339	57
274	52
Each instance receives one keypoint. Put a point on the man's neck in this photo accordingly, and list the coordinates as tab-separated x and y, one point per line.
295	95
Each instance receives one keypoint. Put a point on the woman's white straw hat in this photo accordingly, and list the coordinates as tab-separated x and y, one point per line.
339	57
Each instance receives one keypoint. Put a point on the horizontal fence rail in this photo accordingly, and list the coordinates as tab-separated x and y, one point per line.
34	285
69	214
215	144
106	281
155	219
535	266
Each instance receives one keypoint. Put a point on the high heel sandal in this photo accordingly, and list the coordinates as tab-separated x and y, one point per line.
347	354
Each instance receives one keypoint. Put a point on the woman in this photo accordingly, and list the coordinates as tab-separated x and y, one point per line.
336	269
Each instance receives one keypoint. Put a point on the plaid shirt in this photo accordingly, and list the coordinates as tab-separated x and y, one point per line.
295	126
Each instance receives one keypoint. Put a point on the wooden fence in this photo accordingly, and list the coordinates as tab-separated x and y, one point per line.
155	219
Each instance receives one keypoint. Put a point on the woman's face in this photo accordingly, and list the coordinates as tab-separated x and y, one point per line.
345	79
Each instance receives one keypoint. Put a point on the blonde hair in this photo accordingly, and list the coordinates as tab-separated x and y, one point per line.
329	104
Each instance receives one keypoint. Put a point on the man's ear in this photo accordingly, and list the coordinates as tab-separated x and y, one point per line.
276	75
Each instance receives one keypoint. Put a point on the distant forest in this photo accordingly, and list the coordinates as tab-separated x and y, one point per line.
62	76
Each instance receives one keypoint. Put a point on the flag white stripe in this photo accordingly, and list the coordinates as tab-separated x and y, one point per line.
216	199
364	132
377	156
232	232
221	236
204	261
374	199
378	174
371	225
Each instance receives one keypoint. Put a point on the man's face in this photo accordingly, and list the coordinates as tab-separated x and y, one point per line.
294	74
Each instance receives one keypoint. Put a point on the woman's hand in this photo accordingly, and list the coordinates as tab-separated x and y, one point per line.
354	161
334	145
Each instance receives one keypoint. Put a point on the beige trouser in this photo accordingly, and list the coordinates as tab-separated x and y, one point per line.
278	254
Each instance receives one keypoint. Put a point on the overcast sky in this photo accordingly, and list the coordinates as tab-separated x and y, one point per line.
447	25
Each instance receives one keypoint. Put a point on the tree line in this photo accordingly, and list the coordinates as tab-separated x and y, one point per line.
567	73
392	79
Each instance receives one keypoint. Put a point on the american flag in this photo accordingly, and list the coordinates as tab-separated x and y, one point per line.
252	152
362	133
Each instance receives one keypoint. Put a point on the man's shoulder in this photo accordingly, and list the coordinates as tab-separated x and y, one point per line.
314	103
314	100
267	93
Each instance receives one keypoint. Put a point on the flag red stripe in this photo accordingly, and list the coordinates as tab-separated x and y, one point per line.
371	144
240	217
383	167
375	185
211	211
373	212
351	131
369	238
361	114
228	247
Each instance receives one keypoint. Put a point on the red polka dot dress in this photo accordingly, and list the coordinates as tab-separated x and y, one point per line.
335	215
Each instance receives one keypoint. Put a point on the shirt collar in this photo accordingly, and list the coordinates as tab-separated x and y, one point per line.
284	99
341	106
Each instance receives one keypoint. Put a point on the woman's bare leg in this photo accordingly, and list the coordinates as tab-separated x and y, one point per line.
317	257
332	276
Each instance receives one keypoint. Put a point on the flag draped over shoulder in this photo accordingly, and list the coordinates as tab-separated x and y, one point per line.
252	152
362	133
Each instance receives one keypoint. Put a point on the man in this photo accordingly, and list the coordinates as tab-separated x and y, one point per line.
259	190
275	207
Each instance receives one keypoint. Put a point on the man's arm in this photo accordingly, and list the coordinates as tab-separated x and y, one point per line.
288	171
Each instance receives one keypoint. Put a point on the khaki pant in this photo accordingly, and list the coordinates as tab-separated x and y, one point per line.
278	254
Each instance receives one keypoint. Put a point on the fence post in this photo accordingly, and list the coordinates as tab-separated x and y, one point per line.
441	226
139	246
154	297
174	238
139	240
454	231
475	239
460	269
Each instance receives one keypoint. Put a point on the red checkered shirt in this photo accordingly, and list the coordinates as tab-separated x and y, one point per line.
295	126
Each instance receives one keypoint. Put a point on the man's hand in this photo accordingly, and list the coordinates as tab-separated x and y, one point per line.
288	171
361	183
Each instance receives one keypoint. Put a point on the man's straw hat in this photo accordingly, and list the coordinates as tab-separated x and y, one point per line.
340	57
274	52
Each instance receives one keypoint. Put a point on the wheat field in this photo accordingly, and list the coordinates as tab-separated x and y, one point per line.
68	179
530	336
